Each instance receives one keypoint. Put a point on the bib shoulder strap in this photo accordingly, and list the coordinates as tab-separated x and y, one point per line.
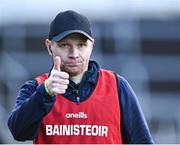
41	78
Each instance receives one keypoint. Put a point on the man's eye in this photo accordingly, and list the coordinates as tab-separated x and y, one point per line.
64	45
82	44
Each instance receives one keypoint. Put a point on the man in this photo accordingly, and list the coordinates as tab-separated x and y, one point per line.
77	102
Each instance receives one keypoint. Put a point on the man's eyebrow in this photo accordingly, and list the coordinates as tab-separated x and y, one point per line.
62	41
83	41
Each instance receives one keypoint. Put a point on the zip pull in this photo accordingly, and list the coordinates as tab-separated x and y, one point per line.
78	100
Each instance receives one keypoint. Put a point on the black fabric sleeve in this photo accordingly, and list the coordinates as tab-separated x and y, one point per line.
32	104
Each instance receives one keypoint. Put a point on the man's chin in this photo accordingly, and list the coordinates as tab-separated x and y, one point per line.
73	72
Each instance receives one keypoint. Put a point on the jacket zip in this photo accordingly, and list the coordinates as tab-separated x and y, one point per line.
78	100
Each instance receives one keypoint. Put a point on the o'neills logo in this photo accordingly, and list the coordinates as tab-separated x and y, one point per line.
76	115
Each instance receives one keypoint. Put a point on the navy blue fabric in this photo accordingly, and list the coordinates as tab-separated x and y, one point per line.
33	103
134	127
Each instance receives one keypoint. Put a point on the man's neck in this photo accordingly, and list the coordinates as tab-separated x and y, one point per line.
77	79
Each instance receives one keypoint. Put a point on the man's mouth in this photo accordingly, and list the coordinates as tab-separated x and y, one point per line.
72	64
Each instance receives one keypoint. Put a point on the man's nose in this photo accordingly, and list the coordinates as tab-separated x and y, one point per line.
74	53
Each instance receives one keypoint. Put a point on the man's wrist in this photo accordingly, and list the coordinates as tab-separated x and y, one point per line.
47	90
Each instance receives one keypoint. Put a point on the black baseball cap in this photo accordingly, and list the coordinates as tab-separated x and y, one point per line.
68	22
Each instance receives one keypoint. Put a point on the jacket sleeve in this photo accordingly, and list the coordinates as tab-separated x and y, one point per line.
32	104
134	128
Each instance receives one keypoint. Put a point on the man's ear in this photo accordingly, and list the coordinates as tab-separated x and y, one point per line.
93	41
48	44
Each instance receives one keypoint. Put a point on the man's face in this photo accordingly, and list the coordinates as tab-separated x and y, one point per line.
74	51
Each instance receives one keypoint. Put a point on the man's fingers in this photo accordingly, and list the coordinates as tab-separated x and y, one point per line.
60	81
58	91
63	75
57	63
59	86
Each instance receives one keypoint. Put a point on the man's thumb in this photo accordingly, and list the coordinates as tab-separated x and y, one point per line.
57	63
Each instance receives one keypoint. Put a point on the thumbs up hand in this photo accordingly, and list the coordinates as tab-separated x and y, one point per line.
58	81
57	63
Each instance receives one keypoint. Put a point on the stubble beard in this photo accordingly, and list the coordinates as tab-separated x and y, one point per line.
75	70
